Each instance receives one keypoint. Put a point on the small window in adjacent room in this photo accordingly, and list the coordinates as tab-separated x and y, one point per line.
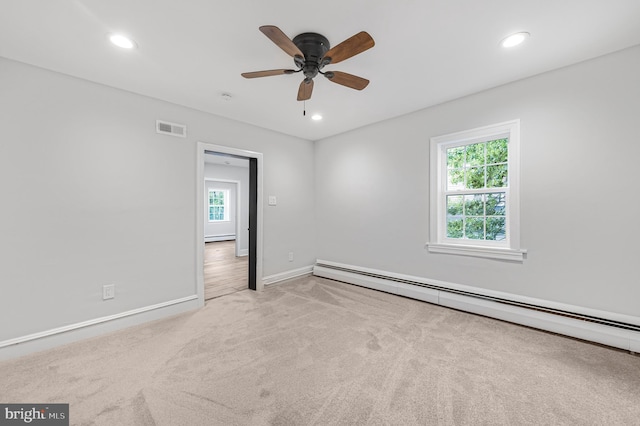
218	200
475	200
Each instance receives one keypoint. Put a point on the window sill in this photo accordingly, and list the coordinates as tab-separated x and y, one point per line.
476	251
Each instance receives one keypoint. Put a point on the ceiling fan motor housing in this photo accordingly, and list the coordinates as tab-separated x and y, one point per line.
314	46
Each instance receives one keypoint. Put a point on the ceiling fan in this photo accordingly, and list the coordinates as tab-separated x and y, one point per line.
311	52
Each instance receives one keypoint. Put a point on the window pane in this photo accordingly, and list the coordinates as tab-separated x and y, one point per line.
218	198
475	154
454	205
455	179
497	151
496	204
474	228
496	229
474	205
454	228
475	178
455	157
217	201
497	176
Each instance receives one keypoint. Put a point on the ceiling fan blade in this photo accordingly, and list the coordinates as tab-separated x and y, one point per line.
305	90
350	47
278	37
349	80
266	73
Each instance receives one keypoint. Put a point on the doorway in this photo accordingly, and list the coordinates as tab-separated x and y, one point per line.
253	231
226	224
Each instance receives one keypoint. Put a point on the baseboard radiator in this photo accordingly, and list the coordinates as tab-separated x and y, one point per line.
612	332
216	238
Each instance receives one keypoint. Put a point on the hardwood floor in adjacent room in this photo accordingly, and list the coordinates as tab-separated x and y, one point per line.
224	273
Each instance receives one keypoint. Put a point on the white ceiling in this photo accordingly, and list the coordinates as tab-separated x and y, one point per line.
427	51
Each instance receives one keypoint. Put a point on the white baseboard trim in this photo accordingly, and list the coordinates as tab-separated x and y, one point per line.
23	345
602	333
294	273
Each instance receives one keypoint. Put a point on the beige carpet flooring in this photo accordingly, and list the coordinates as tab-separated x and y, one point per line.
317	352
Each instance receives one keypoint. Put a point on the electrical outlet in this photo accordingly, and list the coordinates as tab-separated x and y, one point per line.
290	256
108	291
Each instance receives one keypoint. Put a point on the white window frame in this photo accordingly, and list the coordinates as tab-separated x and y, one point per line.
508	249
225	205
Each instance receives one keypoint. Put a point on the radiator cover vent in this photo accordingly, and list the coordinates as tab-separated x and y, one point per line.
173	129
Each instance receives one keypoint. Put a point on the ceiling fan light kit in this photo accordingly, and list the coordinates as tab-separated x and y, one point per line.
311	52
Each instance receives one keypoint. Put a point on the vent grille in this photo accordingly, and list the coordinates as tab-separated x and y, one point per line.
173	129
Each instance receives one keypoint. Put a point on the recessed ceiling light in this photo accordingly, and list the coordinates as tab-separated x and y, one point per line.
122	41
514	39
316	117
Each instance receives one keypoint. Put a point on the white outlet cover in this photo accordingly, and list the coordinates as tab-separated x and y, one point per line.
272	200
108	291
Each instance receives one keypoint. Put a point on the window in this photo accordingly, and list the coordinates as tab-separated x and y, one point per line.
475	193
218	210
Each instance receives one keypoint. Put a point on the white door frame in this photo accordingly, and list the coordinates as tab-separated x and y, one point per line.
203	148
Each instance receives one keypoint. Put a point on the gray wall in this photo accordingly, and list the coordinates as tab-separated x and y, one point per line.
86	184
579	150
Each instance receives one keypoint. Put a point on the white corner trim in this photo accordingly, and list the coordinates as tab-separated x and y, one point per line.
282	276
600	333
95	321
476	251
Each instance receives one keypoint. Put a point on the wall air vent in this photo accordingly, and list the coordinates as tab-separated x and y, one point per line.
172	129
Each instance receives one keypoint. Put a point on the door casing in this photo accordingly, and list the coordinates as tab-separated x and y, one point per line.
255	213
